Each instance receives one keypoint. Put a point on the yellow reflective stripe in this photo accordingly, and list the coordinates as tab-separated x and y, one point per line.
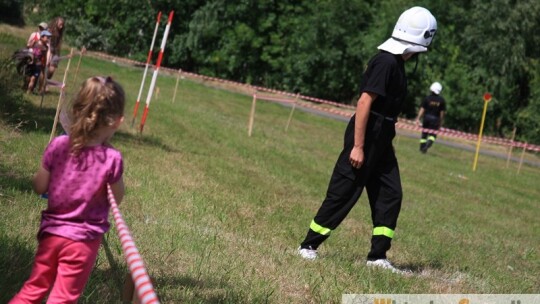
423	140
319	229
432	138
383	231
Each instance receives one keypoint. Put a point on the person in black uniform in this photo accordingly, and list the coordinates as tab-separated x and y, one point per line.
433	108
368	159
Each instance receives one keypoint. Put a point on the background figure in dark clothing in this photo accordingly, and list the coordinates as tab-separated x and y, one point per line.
432	109
368	159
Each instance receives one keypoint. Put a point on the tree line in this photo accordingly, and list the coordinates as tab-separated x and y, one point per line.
320	48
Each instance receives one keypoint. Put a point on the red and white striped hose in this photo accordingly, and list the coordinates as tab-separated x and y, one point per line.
143	285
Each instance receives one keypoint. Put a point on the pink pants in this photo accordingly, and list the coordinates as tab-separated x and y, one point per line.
61	264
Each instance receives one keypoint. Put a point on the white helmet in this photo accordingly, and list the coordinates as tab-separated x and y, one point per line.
413	32
436	88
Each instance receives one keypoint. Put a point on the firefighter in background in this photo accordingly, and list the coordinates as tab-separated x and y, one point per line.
368	159
432	110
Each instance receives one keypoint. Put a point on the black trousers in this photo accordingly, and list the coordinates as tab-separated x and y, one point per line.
428	138
379	175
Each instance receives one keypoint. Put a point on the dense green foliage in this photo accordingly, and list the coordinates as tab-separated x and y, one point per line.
319	48
11	11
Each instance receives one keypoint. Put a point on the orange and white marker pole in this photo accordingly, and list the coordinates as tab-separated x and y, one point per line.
156	71
148	60
487	98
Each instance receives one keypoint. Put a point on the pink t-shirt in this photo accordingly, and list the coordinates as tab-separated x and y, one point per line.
78	208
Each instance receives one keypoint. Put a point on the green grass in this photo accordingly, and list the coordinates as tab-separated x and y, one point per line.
217	215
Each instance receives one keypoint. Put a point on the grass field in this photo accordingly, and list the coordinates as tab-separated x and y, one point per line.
218	215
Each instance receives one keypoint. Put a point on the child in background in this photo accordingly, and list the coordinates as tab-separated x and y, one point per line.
39	53
75	171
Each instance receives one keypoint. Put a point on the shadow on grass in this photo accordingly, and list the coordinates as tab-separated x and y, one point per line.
25	117
420	267
199	290
16	257
16	110
9	178
137	139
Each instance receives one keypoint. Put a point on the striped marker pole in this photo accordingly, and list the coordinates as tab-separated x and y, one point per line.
148	59
156	71
143	285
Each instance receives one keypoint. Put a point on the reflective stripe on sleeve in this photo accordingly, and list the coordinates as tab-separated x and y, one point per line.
319	229
383	231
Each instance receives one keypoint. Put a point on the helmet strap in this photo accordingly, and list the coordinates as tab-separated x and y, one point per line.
416	64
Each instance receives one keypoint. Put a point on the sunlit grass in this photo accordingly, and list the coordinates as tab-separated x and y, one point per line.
218	215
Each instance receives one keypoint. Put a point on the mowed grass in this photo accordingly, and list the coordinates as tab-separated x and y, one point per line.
217	215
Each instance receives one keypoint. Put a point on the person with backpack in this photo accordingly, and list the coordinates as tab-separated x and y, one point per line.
39	61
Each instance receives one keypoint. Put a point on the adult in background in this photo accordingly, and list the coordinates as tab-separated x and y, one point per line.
56	27
432	110
34	37
368	159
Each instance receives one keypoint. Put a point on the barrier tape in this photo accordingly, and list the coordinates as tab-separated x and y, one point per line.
404	125
143	285
410	125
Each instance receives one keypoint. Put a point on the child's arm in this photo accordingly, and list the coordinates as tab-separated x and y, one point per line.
40	182
118	190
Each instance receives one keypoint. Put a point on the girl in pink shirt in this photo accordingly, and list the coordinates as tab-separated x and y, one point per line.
75	172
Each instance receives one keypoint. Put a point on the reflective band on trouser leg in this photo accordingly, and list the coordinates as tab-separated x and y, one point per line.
423	141
383	231
431	137
319	229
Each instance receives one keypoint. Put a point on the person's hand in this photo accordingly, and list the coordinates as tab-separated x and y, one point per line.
357	157
417	122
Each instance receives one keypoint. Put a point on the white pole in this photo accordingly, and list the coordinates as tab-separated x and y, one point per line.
252	114
292	111
522	157
61	98
176	86
510	148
